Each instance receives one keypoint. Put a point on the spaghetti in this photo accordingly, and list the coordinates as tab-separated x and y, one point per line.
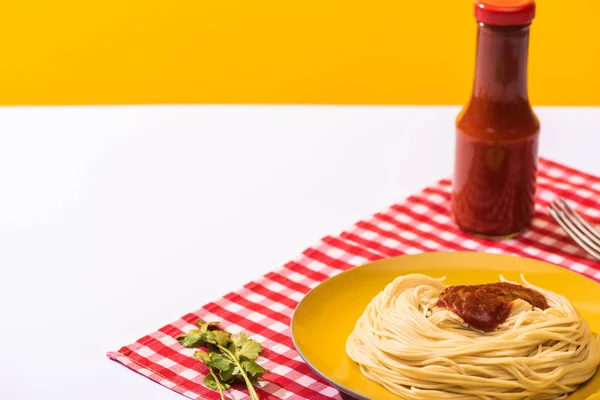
419	350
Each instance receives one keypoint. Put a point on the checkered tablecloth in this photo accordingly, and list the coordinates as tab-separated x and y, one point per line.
421	223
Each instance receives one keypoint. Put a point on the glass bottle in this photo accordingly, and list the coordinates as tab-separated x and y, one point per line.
497	132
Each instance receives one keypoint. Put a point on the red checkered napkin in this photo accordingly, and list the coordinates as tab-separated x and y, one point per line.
419	224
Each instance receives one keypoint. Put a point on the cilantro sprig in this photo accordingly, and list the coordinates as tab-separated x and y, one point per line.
228	357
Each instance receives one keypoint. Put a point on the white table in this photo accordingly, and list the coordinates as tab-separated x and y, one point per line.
111	217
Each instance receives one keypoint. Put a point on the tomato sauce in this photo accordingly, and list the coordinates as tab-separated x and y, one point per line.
497	138
484	307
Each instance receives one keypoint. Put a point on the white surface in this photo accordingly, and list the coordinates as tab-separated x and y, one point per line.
112	219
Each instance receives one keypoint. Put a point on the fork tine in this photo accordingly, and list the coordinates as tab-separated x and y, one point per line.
568	227
591	231
576	227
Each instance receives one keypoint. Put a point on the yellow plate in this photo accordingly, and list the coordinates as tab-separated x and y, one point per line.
326	316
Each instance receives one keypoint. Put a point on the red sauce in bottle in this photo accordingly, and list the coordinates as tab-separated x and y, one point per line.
484	307
497	132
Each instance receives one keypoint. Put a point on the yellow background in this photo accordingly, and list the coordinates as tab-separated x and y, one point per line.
277	51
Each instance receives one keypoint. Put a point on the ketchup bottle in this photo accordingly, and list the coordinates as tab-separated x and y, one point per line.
497	131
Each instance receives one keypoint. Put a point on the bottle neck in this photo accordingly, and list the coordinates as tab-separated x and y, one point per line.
501	64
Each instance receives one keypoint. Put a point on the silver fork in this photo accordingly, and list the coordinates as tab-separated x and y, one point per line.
576	227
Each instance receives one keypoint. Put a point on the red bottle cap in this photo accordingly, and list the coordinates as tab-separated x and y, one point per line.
505	12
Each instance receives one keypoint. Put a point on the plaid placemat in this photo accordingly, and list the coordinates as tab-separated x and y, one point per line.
421	223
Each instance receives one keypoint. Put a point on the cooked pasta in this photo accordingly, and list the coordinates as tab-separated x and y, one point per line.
419	350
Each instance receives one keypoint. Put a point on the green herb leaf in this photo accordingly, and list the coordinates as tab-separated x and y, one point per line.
239	338
193	338
253	370
210	337
202	356
231	348
212	347
223	338
219	362
250	350
226	385
230	357
228	377
210	382
206	326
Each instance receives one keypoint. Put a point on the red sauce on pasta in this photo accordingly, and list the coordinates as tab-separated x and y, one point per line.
484	307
